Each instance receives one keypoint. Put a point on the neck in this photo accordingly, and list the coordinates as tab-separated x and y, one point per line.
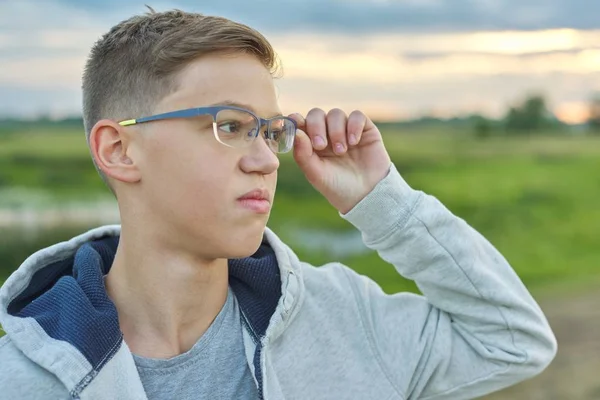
165	299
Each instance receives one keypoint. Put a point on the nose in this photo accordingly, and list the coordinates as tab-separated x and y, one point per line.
259	157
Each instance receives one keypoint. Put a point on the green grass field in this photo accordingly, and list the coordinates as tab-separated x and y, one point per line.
535	198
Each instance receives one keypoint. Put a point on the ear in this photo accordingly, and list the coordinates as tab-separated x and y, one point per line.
110	147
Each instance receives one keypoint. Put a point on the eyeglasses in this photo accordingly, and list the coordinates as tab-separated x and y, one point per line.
236	127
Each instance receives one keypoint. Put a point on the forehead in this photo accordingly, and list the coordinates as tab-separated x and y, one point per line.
215	79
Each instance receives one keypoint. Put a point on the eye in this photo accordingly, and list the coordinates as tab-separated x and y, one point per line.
276	134
230	126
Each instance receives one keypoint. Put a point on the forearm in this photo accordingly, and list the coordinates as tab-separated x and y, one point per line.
456	268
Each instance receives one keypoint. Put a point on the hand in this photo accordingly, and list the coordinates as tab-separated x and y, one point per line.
343	157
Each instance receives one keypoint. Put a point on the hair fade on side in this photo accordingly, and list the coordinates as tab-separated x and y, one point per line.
135	64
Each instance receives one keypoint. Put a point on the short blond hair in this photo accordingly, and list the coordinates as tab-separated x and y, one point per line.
135	64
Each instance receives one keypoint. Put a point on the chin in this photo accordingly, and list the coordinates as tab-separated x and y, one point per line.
246	244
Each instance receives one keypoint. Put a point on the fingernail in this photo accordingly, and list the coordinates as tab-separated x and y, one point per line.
318	141
352	139
339	148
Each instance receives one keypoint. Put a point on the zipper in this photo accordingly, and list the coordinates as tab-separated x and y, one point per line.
259	346
249	328
259	374
256	340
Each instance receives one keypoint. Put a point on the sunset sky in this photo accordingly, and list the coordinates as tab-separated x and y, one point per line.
391	59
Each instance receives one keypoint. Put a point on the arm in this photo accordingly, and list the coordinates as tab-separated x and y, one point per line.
476	329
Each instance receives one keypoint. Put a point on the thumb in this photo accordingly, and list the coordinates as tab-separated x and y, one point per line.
303	150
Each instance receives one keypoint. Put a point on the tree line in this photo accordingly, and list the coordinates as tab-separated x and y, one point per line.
531	116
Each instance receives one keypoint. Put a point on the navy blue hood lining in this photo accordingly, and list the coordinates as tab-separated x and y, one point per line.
69	301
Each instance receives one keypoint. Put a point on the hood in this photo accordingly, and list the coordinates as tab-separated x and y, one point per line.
55	309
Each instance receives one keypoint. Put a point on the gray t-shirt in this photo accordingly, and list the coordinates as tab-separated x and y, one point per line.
214	368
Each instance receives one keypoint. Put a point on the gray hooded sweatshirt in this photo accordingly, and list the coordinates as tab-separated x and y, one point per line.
310	332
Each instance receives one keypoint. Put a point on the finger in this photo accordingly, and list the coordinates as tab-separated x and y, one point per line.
300	121
303	149
316	128
357	122
336	129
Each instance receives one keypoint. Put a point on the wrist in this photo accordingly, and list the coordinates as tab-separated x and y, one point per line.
349	202
384	208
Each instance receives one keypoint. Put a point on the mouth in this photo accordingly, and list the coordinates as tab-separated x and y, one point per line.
257	200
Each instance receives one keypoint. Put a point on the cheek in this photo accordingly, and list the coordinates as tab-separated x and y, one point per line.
193	174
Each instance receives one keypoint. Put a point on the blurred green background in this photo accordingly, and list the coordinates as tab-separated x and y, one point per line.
532	190
491	106
534	193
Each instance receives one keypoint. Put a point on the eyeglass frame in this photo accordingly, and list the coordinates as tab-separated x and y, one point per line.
212	111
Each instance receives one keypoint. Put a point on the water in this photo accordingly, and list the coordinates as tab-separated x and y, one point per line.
333	243
30	220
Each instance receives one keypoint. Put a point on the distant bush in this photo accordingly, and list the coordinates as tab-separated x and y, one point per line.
532	115
594	118
483	128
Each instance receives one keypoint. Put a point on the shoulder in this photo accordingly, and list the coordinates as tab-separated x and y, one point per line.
326	292
338	287
337	278
334	277
21	378
343	289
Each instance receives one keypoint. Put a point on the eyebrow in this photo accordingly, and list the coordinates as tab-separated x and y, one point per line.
242	105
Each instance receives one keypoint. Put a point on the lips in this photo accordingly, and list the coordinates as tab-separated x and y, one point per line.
257	200
256	194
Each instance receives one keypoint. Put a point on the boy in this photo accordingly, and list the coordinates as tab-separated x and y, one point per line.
193	297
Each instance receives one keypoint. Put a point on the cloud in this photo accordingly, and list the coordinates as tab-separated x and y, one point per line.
19	17
364	16
45	46
459	95
396	59
440	56
505	42
31	102
333	52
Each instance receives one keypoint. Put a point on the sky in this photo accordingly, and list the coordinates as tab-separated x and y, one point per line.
389	58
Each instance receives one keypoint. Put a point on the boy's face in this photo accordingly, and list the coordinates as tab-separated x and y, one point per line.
190	181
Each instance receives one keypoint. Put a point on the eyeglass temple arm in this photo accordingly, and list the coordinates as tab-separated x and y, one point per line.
190	112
